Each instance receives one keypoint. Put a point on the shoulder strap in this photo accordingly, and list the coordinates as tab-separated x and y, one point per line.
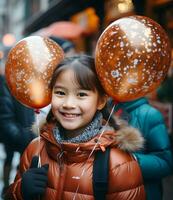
101	174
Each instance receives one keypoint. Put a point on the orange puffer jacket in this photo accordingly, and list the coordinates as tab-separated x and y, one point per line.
71	166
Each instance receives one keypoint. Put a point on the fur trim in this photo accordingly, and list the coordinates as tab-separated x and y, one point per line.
121	123
129	139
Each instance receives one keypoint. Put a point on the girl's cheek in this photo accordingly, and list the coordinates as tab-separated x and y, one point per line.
53	101
56	101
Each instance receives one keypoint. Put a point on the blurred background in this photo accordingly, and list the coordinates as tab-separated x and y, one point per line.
86	19
81	22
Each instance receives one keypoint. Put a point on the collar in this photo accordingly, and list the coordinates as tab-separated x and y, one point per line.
90	131
131	105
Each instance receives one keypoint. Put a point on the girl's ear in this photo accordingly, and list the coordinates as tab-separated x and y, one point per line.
102	102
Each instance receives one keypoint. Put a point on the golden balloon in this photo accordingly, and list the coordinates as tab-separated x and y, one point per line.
29	67
133	56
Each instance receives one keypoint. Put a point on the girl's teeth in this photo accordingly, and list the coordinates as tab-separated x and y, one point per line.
70	115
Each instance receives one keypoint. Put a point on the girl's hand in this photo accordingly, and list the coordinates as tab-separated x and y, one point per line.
34	180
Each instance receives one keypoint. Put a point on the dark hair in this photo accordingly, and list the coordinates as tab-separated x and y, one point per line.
86	76
84	70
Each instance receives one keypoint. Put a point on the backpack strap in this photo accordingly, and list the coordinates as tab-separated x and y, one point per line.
101	174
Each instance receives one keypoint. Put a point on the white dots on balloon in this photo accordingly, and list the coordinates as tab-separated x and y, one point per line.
20	74
132	81
148	50
158	41
115	73
136	51
154	44
129	54
147	32
109	81
26	91
135	62
121	44
27	61
119	64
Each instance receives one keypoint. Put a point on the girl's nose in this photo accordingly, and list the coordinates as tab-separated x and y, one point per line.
69	102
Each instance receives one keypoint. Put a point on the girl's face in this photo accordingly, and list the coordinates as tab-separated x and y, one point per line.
73	106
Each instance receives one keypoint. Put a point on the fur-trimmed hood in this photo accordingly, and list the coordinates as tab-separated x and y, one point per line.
126	138
129	139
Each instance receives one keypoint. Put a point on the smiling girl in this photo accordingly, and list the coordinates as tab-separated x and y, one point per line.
75	130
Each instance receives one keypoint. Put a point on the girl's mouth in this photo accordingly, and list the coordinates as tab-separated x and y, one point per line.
70	115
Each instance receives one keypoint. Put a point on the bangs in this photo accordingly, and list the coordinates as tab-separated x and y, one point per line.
84	76
84	72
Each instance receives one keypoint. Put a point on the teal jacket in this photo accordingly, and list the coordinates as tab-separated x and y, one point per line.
155	159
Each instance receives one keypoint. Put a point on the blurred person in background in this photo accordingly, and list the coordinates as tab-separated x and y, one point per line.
15	128
155	159
165	95
15	123
16	119
164	92
67	46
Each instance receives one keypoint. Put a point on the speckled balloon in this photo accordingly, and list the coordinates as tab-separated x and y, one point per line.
133	56
29	67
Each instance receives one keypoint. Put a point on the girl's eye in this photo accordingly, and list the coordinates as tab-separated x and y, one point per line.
82	94
60	93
